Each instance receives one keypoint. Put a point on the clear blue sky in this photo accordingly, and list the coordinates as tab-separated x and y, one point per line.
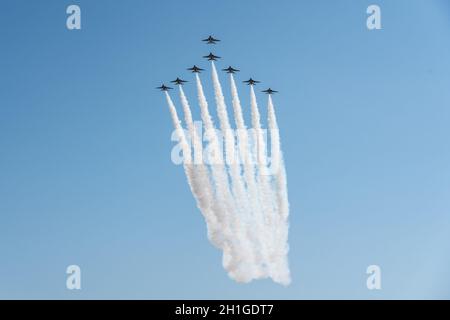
85	170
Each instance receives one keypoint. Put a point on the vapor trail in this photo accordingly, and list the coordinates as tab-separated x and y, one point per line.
256	123
265	190
240	219
257	227
203	190
223	117
245	205
243	143
187	156
237	183
196	140
233	256
278	161
279	171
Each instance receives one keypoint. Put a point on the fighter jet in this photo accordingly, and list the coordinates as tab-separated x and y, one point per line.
195	69
212	57
178	81
269	91
163	88
251	81
230	69
211	40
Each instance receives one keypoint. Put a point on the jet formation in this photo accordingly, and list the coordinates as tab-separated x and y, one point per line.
211	40
178	81
251	81
230	69
164	88
213	57
269	91
195	69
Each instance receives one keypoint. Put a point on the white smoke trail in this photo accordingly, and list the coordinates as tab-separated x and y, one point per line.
203	190
220	191
277	155
210	131
234	259
179	130
266	194
249	176
240	219
243	143
187	157
282	224
245	208
237	182
196	140
196	185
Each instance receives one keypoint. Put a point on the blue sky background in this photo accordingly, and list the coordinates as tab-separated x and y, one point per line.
85	170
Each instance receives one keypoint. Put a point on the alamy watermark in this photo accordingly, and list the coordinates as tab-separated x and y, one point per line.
73	281
373	21
247	147
73	21
373	281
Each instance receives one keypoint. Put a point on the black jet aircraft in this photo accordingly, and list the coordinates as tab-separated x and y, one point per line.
269	91
195	69
212	57
211	40
230	69
163	88
251	81
178	81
